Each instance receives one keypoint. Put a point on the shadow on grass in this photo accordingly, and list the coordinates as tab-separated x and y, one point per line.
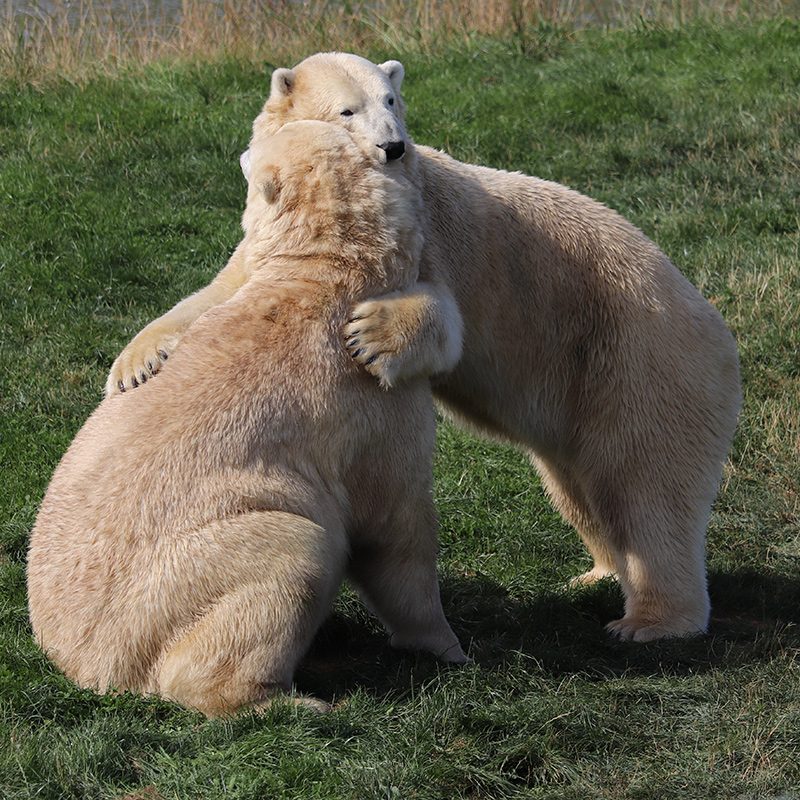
755	618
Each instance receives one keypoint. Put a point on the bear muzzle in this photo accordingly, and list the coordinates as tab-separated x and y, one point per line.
393	150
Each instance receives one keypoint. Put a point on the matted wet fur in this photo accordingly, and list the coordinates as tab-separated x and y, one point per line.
194	534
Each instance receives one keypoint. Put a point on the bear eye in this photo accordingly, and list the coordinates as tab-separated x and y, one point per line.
347	113
391	101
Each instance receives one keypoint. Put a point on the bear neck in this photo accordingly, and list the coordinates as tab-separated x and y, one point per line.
367	259
369	236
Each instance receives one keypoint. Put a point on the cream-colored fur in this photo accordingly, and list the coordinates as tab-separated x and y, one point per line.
193	536
582	343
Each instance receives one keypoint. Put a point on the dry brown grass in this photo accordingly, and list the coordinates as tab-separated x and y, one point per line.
77	39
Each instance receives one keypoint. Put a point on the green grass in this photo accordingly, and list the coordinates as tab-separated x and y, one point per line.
120	196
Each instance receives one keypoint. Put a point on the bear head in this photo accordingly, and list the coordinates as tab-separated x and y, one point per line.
343	89
315	188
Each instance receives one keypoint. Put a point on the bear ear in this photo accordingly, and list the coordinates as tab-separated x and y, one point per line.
244	163
282	82
270	185
395	72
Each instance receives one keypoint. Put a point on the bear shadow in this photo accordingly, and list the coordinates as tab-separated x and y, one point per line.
755	618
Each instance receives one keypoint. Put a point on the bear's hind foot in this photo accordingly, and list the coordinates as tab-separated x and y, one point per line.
636	629
297	700
591	577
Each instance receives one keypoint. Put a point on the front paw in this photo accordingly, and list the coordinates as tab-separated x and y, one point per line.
140	360
444	646
376	341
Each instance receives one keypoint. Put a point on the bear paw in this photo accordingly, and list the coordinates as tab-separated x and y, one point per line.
296	700
376	341
591	577
636	629
140	360
446	650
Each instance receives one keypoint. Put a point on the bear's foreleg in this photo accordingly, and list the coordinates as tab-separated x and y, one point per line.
145	354
406	334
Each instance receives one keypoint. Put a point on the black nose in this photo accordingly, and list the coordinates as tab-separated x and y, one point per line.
393	149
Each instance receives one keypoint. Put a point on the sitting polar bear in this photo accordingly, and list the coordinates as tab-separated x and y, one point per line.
193	537
582	344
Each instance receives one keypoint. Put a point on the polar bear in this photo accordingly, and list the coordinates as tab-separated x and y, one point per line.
192	538
550	322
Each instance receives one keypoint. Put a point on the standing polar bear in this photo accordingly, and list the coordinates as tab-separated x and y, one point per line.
193	537
552	323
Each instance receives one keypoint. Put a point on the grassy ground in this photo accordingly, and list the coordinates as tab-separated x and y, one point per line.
121	196
83	38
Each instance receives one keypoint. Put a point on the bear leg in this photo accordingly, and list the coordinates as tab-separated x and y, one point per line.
658	534
395	573
274	592
568	498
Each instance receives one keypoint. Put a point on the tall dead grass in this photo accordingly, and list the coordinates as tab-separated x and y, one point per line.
78	38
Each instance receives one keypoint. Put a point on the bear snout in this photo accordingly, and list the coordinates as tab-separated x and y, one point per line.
393	150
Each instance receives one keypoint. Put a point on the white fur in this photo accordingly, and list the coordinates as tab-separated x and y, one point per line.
193	536
581	343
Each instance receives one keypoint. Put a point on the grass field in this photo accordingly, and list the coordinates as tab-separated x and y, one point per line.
121	195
